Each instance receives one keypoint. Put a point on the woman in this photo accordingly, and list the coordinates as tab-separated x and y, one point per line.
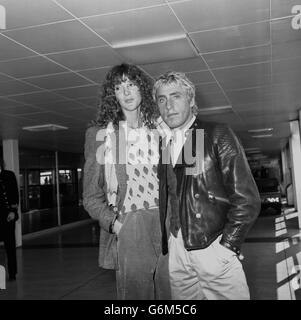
121	184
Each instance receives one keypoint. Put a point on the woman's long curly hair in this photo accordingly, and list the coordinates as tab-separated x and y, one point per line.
109	109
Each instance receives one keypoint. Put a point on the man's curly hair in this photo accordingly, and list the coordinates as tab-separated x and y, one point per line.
109	109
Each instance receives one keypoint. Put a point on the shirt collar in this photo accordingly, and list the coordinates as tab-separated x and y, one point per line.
179	135
187	126
168	133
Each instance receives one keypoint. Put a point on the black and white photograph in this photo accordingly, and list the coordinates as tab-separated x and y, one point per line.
150	151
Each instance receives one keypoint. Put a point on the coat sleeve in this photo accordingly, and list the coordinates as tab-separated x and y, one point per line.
13	189
13	193
240	186
94	197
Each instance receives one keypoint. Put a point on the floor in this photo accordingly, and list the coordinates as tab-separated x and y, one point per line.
63	265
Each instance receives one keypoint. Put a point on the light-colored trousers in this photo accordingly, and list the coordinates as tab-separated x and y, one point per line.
213	273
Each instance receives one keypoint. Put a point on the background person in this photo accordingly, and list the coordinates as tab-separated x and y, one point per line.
9	201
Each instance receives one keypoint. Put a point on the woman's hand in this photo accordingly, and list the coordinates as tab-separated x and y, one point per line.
11	216
117	226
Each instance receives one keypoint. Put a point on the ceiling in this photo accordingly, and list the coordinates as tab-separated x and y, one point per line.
243	56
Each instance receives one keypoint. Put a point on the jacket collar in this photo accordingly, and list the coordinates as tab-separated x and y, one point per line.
120	169
188	145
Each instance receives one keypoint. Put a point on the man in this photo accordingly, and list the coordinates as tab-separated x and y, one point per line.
9	200
205	215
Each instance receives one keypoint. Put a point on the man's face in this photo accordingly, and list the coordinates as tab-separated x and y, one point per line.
174	105
128	95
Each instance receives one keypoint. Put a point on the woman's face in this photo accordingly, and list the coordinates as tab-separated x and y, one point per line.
128	95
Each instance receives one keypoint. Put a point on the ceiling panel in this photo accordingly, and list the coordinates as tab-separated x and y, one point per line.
208	87
89	101
38	98
200	77
4	78
282	8
87	58
4	103
282	129
84	114
238	56
68	106
232	37
268	145
229	118
11	50
258	108
287	50
235	78
97	75
210	99
26	13
16	87
290	77
262	122
155	52
287	65
141	25
80	92
251	95
19	110
50	117
286	93
211	14
269	120
58	81
95	7
30	67
180	65
57	37
282	31
10	126
263	111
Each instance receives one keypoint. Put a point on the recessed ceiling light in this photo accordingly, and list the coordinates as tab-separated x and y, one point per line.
251	149
262	136
157	49
2	18
215	110
143	42
260	130
259	156
45	127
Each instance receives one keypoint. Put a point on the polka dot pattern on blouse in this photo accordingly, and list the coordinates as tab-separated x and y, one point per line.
141	168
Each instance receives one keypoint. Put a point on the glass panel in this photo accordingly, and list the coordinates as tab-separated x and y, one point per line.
80	186
46	177
34	197
38	189
65	176
21	179
34	177
71	196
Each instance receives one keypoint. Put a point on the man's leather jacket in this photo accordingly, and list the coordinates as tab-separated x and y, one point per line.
223	199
